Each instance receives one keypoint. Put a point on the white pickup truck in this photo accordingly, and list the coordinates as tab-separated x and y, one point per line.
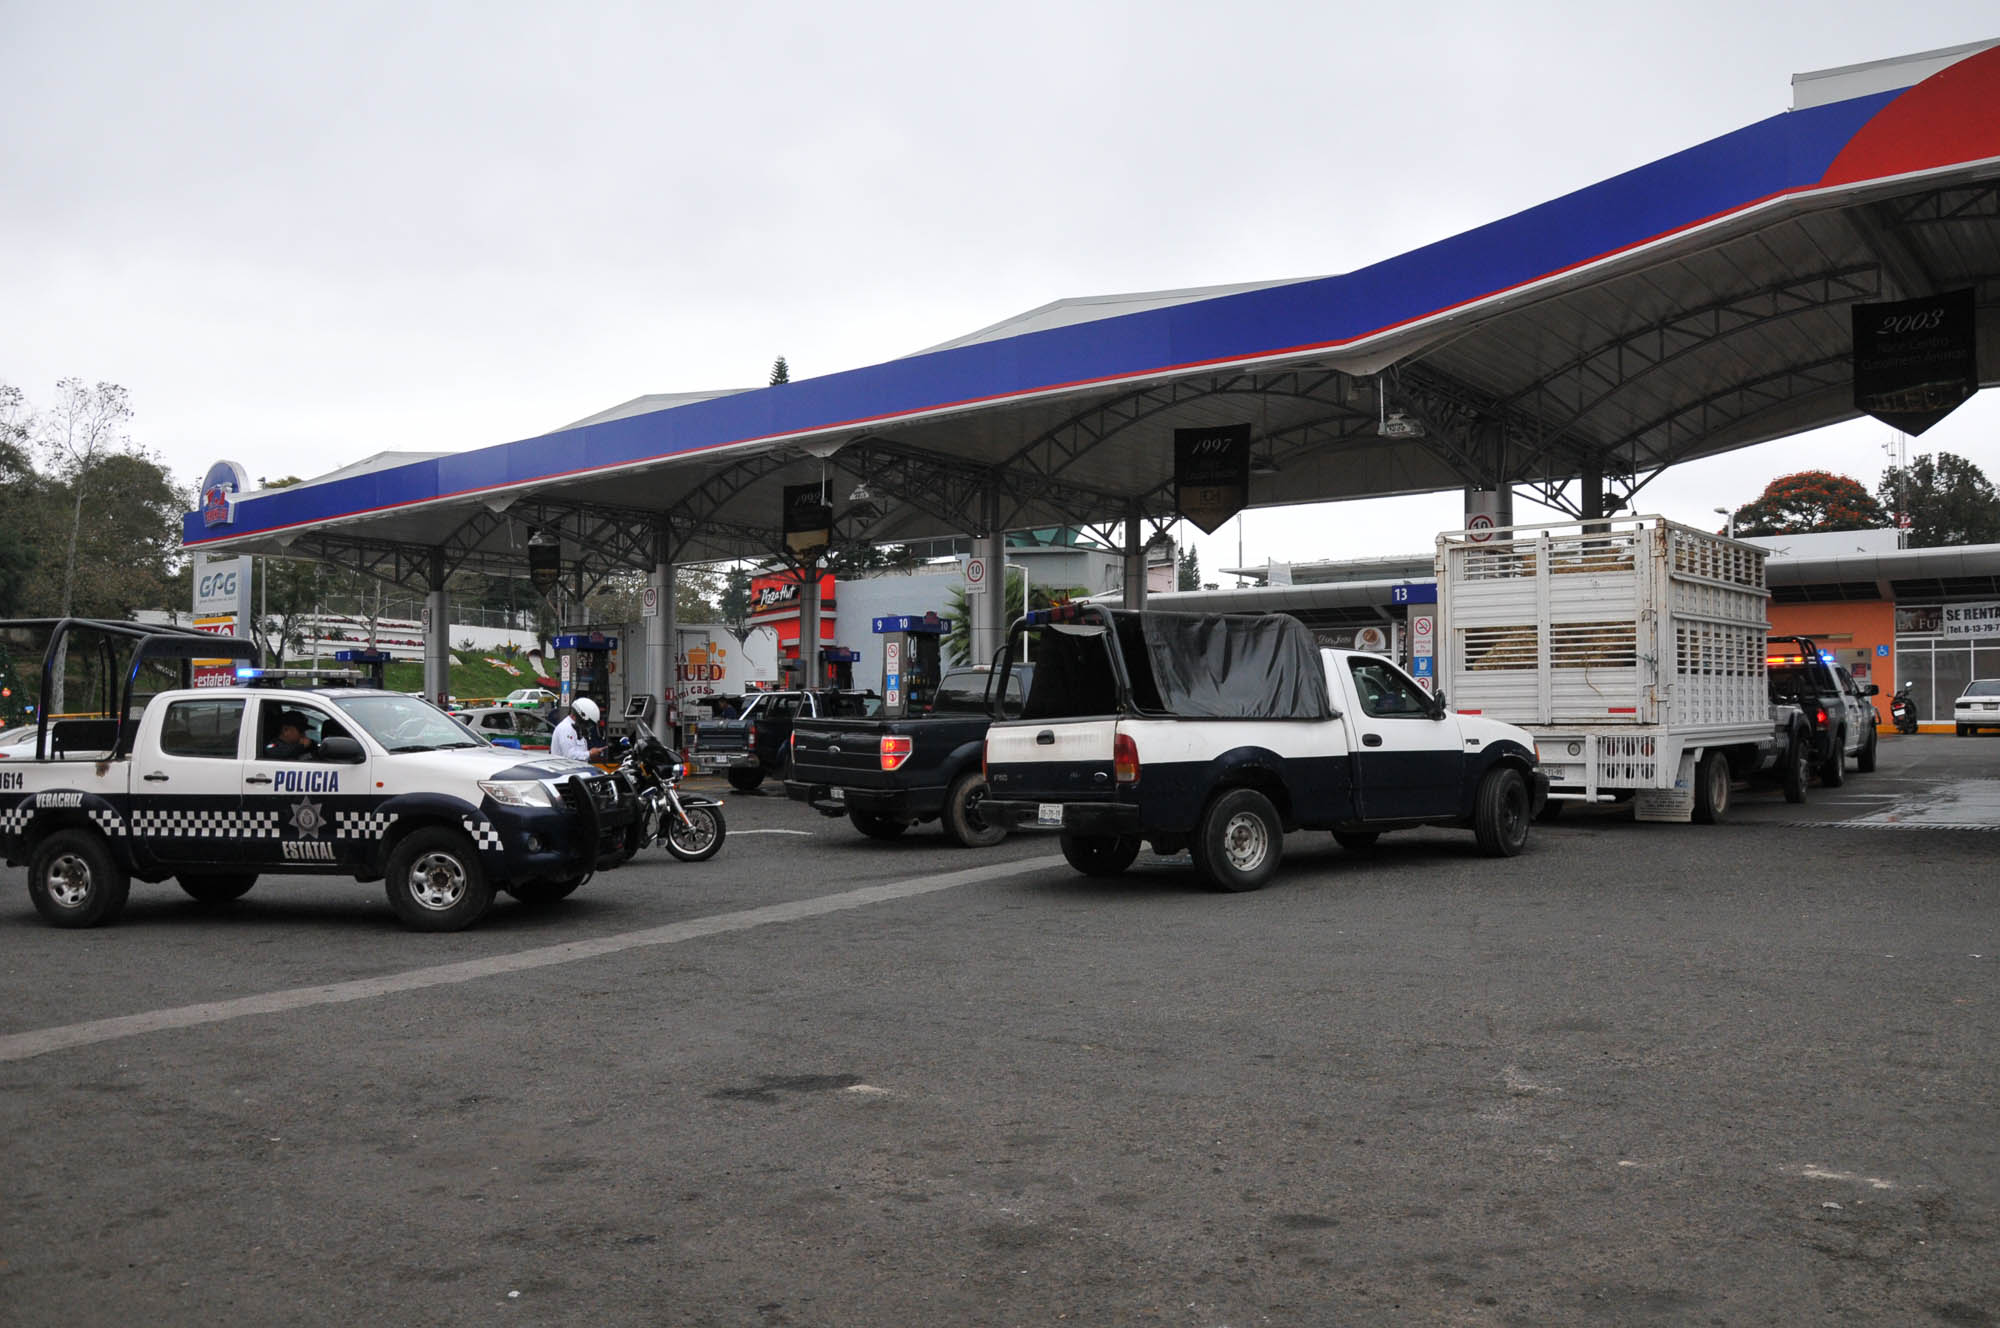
1220	734
196	784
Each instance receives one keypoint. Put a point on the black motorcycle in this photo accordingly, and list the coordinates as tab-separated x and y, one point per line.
690	825
1903	711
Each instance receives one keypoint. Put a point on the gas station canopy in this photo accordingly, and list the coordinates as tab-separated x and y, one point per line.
1685	308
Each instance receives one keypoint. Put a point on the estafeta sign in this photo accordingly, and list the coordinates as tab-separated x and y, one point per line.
1980	619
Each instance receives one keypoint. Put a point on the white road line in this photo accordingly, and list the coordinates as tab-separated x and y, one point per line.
20	1046
807	833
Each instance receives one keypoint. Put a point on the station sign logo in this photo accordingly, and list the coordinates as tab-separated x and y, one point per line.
219	487
1915	361
1211	474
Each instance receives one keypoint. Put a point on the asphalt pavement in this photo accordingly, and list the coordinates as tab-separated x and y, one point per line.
1642	1074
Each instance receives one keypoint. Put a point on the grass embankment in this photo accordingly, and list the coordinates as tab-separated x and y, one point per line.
474	677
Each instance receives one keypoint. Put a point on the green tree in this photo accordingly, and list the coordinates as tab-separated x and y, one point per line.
780	371
1808	501
21	505
1947	500
734	604
85	428
958	641
1187	570
857	559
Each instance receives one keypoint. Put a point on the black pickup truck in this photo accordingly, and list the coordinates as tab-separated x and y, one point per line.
759	741
886	775
1800	676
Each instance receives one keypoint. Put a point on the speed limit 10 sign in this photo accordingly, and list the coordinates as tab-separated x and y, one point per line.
975	576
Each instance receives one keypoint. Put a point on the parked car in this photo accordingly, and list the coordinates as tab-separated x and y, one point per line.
529	698
1800	675
525	729
1978	707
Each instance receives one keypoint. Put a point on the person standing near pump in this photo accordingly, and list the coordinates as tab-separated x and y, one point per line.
577	732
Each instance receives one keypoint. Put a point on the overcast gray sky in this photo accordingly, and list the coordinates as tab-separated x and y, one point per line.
303	234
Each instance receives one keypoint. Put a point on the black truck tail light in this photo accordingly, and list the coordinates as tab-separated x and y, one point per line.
895	751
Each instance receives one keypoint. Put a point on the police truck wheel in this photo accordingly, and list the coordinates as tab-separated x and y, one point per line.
963	822
74	880
1500	813
1711	788
1239	842
212	889
877	826
1798	767
435	882
1100	855
1865	763
697	839
1833	773
545	890
745	779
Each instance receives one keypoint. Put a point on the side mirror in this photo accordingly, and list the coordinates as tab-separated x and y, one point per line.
1872	689
342	751
1441	707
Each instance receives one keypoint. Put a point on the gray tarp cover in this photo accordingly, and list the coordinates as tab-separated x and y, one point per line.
1235	666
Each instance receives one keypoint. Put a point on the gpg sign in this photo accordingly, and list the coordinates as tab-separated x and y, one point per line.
222	588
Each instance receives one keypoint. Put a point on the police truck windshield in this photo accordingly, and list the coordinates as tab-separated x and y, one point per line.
407	724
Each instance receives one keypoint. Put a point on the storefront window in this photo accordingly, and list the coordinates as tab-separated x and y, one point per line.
1936	668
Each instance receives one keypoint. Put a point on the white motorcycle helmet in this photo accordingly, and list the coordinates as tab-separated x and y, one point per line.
586	707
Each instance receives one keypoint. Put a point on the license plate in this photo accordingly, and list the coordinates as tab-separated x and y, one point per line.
1048	813
838	795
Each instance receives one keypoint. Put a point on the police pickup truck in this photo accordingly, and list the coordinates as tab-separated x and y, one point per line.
1219	734
215	786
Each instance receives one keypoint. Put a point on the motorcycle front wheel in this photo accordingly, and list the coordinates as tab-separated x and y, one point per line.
699	837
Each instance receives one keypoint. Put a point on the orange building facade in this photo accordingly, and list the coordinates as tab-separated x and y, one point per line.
1861	637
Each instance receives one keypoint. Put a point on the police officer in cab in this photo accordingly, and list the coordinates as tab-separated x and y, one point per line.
292	744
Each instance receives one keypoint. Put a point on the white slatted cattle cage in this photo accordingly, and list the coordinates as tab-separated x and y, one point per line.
1625	646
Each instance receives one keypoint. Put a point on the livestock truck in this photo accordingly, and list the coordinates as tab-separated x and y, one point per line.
1634	651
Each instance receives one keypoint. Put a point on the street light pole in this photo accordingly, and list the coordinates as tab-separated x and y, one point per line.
1730	513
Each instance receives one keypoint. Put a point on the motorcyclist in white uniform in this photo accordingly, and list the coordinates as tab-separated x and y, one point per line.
571	737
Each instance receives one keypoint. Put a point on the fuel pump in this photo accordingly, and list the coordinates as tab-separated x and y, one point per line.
911	662
839	664
372	662
588	661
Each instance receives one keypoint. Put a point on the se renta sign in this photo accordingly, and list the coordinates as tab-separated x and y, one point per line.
1979	619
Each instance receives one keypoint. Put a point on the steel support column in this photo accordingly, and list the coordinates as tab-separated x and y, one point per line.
662	653
989	610
1135	558
437	634
810	672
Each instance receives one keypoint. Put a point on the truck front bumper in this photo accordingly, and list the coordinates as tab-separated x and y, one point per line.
1077	818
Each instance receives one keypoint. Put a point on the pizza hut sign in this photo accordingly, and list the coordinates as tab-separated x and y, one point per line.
775	597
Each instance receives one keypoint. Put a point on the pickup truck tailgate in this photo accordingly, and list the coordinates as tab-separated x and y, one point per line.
835	754
1059	759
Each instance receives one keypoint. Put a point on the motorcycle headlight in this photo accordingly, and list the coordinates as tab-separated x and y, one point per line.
517	792
680	771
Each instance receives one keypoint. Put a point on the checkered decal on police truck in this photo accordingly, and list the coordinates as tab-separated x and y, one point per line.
13	820
362	825
484	836
205	825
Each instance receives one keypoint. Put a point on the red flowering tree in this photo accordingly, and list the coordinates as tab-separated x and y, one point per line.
1810	500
